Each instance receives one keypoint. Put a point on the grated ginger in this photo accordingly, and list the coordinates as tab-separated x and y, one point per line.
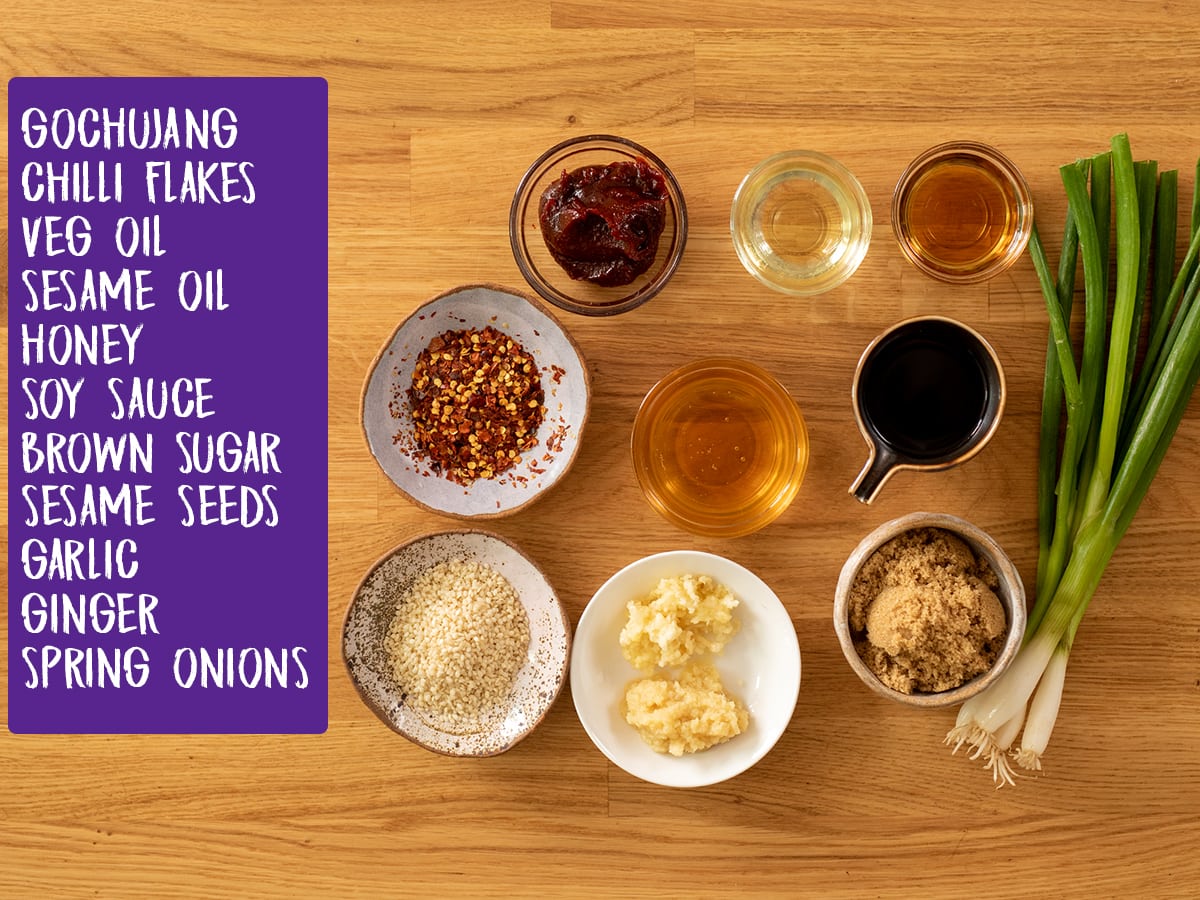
687	714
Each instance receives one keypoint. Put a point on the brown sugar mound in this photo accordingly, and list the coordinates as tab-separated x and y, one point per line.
924	613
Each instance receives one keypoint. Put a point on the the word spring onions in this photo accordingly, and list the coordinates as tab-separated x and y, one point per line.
1122	401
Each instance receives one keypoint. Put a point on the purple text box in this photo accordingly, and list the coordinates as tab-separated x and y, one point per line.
167	295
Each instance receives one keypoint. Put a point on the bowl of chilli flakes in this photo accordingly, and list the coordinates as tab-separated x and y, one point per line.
477	403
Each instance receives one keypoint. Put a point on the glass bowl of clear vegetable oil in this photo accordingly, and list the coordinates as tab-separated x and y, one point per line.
962	212
801	222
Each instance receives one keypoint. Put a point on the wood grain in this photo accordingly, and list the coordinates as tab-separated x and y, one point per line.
435	111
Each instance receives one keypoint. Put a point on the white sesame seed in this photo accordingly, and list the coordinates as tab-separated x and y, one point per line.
459	637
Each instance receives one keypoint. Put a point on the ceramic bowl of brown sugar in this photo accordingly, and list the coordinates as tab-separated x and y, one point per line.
476	404
929	610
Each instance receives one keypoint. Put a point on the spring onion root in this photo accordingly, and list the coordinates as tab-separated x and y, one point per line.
1043	713
1109	413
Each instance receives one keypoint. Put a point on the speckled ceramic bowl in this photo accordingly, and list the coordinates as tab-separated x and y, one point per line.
538	681
1011	595
388	424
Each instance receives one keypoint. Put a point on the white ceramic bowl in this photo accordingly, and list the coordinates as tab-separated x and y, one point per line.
373	607
565	380
760	666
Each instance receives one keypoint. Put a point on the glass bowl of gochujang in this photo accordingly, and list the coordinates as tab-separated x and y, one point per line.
598	225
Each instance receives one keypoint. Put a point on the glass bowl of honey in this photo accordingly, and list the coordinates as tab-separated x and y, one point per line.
720	448
962	212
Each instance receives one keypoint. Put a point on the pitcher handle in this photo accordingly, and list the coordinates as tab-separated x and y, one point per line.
878	469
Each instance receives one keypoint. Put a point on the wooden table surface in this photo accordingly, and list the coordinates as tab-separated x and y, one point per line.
435	111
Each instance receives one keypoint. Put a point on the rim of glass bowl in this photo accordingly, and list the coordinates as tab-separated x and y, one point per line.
787	416
976	150
524	206
780	164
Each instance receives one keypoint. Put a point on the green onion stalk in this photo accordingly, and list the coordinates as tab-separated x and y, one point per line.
1107	422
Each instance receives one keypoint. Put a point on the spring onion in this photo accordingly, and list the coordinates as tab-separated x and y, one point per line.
1122	403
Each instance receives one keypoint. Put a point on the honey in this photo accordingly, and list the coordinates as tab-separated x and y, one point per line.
962	212
720	448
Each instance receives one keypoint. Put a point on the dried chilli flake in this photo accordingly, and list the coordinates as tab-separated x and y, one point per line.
476	403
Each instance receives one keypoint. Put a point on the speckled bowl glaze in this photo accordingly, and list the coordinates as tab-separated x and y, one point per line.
538	682
760	666
565	380
1011	595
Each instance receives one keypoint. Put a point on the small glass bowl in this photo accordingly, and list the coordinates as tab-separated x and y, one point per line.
533	258
801	222
962	212
719	447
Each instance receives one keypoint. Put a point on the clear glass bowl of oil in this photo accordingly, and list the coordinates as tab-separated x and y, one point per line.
801	222
720	447
962	212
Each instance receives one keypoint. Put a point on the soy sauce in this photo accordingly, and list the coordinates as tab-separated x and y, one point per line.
924	391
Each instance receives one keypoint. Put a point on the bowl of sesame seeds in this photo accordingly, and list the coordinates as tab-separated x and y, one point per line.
457	641
477	403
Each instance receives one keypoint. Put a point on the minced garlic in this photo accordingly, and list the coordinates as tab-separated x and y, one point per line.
682	616
687	714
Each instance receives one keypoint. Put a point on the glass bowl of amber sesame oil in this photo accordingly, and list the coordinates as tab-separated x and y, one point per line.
719	447
962	212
